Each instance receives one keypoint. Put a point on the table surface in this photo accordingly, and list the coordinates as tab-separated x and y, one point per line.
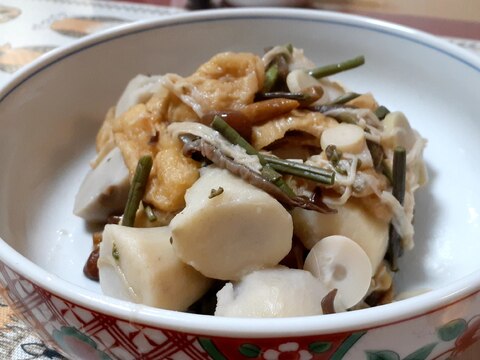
29	28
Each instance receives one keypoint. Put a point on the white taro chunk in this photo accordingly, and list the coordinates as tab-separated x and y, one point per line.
104	190
139	265
239	230
352	221
270	293
340	263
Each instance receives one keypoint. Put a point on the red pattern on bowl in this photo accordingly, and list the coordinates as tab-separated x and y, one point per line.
78	332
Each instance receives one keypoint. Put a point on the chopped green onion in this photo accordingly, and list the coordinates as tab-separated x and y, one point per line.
137	189
332	69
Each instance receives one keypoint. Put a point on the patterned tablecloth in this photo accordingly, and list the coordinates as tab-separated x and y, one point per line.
28	29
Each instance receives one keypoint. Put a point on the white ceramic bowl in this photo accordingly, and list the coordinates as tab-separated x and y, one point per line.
50	112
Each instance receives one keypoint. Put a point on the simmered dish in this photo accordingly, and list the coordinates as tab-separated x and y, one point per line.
256	187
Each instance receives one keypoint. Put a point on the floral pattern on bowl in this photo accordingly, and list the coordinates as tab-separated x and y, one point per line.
82	333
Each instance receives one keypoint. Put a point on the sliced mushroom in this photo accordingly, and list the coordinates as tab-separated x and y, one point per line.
104	190
270	293
340	263
298	80
139	90
351	221
346	137
397	131
140	265
229	227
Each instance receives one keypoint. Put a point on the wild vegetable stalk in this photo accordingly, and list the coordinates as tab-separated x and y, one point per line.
277	69
342	99
137	189
272	164
234	137
284	95
395	250
332	69
269	173
271	76
305	97
399	173
301	170
260	181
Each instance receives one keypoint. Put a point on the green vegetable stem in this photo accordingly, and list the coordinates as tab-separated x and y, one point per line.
395	250
234	137
137	189
332	69
275	165
342	99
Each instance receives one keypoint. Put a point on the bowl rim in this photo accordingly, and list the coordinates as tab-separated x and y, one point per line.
370	318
